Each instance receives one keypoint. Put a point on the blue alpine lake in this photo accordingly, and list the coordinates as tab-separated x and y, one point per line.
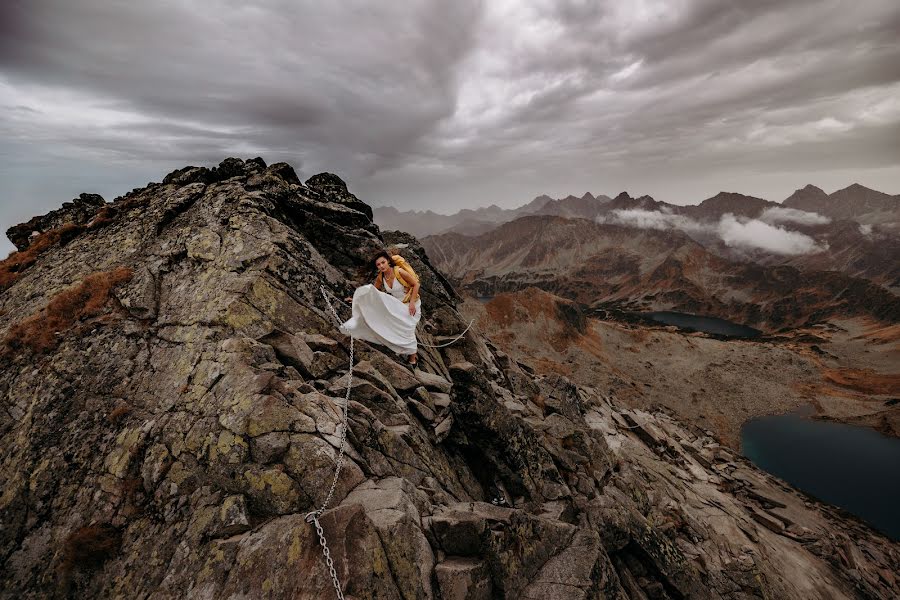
712	325
855	468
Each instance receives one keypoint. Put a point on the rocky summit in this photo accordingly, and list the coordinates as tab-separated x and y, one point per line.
173	380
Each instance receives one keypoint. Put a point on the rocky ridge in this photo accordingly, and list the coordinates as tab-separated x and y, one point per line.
172	382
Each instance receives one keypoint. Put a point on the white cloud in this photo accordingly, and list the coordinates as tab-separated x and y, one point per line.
753	234
792	215
738	232
653	219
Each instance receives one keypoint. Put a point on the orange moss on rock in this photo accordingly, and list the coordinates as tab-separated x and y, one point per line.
104	216
11	267
40	331
118	413
87	548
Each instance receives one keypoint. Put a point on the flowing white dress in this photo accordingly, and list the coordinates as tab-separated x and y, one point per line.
383	318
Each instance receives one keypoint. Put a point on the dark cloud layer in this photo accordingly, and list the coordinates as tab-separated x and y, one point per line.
446	105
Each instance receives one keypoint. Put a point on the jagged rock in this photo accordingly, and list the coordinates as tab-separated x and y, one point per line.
423	411
320	342
334	188
269	447
463	579
233	516
393	504
365	370
77	212
294	350
440	400
442	429
400	377
432	381
426	398
234	376
575	573
459	531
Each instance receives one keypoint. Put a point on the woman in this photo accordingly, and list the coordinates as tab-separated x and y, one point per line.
387	311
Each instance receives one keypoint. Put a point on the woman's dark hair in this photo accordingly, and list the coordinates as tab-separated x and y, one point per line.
382	253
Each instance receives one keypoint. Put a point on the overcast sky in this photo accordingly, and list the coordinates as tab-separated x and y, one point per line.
451	104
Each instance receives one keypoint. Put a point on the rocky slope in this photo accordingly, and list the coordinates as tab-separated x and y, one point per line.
172	383
847	371
595	264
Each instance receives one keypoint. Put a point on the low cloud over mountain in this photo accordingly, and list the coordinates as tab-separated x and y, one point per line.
734	230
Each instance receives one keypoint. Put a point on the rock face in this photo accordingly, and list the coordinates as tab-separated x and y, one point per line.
79	211
168	435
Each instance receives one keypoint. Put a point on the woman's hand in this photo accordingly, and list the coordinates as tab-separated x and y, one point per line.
348	299
412	309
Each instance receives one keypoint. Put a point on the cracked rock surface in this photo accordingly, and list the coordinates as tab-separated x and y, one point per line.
169	443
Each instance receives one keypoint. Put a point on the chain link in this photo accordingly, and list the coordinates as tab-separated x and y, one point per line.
313	517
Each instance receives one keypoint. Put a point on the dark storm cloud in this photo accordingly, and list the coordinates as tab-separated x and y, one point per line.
279	73
454	104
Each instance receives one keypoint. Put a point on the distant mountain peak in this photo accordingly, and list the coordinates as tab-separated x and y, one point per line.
804	196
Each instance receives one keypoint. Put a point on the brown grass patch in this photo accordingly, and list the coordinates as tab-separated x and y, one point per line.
104	216
880	334
502	310
592	343
866	381
39	332
87	548
118	413
811	391
11	267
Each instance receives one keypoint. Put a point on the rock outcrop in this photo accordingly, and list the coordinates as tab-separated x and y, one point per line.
77	212
172	384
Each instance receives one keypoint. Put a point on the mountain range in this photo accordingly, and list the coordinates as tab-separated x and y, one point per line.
597	264
855	231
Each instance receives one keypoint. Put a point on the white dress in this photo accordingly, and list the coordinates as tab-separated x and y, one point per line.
383	318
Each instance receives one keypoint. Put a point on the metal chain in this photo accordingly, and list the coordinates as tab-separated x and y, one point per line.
313	517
